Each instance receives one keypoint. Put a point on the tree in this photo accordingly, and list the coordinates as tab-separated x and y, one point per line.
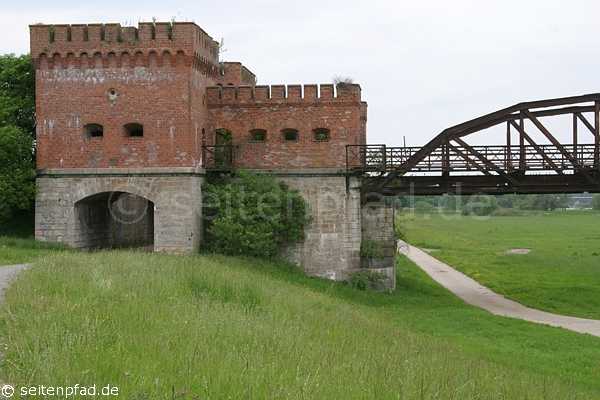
17	178
253	214
17	133
480	205
596	202
17	93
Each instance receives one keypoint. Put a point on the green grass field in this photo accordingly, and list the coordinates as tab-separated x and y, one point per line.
209	327
561	273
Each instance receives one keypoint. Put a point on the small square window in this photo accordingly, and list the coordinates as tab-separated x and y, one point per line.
134	130
321	134
94	130
290	135
258	135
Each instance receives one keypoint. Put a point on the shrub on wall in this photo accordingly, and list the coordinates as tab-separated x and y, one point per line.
367	280
252	214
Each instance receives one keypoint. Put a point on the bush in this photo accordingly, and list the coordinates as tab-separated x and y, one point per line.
363	280
424	207
371	249
17	177
480	206
507	212
253	214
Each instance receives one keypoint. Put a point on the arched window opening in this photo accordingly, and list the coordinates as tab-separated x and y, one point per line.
321	134
290	135
258	135
134	130
93	130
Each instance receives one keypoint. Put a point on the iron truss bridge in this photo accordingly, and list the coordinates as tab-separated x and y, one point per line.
532	159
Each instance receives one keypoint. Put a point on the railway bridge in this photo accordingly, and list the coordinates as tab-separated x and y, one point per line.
522	164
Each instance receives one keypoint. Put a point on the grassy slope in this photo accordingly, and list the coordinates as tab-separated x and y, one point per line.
230	328
17	244
15	250
561	274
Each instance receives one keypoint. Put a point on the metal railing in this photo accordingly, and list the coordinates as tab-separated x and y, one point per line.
380	158
218	157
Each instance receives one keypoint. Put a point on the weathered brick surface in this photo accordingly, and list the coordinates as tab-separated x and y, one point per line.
159	83
274	108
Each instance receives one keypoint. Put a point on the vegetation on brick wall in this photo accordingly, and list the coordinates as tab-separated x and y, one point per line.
252	214
17	132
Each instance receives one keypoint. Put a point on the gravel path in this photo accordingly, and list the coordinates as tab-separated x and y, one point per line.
480	296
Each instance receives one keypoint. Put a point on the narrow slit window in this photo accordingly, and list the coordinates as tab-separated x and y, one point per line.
94	130
290	135
321	134
134	130
258	135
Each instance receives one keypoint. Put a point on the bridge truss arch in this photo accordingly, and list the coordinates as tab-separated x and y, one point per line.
531	160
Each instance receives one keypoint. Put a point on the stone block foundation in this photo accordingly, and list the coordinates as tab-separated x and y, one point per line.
112	208
161	210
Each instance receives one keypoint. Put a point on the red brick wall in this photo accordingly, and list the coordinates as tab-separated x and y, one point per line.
161	74
159	82
274	108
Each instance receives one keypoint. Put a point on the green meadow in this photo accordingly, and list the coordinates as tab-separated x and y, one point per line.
213	327
561	272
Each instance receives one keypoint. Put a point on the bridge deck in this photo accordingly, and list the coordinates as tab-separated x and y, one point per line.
448	164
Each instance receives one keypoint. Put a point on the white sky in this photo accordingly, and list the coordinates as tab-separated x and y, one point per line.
422	65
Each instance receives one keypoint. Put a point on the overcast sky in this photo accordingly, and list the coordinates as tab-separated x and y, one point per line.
422	65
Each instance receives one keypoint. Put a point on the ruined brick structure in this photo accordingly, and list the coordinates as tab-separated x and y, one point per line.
131	119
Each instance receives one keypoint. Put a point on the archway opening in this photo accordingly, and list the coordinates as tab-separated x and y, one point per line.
114	220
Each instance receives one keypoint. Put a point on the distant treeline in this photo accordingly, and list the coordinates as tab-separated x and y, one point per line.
500	205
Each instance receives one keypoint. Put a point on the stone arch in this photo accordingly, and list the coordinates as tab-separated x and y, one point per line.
84	60
112	60
114	219
56	61
98	62
166	59
180	58
43	61
153	59
125	59
139	59
70	61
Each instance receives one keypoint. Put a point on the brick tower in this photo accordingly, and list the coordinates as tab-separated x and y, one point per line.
130	120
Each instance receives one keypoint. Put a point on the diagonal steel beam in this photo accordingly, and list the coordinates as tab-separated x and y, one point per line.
537	148
586	122
485	161
468	160
559	146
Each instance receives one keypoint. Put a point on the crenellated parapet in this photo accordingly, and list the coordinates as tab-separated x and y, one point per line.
281	94
112	45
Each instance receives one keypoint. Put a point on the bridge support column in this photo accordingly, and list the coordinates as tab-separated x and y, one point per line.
378	249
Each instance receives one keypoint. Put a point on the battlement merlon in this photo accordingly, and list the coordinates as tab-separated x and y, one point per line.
277	94
186	37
